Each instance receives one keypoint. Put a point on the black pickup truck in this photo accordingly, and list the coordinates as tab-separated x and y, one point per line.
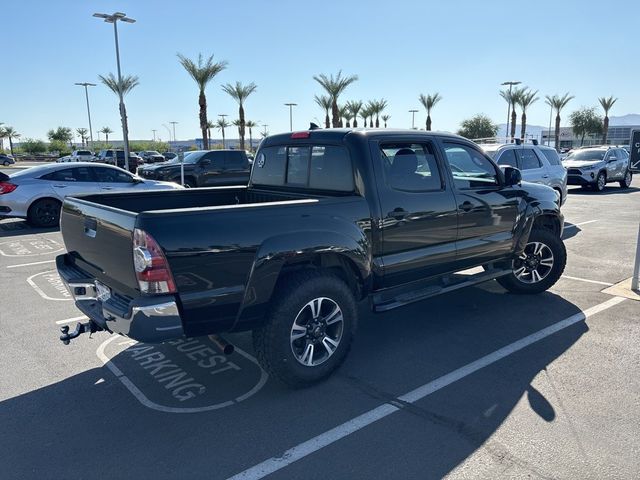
203	168
329	218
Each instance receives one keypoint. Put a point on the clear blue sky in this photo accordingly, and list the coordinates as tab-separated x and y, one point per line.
399	49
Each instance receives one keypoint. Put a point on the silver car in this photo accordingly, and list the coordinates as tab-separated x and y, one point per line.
596	166
537	163
37	193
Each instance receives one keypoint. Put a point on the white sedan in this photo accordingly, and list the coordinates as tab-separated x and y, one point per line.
37	193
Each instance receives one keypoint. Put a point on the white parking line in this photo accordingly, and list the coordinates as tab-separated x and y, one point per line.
302	450
70	320
597	282
579	224
29	264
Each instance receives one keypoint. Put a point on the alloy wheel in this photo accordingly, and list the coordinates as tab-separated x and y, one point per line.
316	331
535	263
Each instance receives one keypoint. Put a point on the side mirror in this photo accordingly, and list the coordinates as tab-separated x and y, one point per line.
512	176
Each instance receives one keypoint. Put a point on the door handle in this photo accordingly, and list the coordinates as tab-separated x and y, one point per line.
466	206
398	214
545	176
60	186
107	188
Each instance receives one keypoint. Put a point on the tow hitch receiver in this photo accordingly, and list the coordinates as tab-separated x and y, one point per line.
81	328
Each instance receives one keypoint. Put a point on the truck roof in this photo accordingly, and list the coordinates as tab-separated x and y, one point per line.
338	134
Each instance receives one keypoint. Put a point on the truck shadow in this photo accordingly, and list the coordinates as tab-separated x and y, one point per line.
90	425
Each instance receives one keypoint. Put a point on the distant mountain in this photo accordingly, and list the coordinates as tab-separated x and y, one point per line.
629	119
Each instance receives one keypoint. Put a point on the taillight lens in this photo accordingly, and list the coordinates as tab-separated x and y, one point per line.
7	187
151	266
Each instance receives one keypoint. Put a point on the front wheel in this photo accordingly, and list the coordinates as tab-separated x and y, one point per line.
308	330
540	265
626	181
601	182
6	163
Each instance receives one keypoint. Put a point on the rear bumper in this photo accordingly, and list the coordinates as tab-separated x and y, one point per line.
146	319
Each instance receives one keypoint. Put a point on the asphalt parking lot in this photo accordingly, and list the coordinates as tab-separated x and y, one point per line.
476	383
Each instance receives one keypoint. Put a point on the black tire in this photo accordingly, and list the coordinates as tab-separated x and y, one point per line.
273	341
6	163
626	181
44	213
601	182
517	284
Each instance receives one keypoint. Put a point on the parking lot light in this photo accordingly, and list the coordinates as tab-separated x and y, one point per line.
113	18
86	94
413	119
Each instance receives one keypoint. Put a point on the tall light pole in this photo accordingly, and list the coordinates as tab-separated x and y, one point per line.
154	135
86	94
511	84
413	118
113	18
291	105
265	132
174	130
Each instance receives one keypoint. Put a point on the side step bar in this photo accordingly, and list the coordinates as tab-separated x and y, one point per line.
447	284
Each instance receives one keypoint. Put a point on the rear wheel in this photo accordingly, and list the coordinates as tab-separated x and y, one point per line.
6	163
626	181
540	265
308	329
44	213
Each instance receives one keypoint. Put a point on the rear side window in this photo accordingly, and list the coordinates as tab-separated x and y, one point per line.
322	167
528	159
78	174
552	156
235	160
508	157
410	167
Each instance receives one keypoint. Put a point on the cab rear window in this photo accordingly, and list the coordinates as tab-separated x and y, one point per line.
321	167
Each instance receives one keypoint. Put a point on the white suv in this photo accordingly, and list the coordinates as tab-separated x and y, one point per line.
537	163
81	156
596	166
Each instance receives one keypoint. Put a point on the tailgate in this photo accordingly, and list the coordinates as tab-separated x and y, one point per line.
99	240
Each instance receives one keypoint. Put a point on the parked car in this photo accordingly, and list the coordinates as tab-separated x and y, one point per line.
538	163
594	167
65	159
116	157
169	155
203	168
6	160
82	156
329	218
151	156
37	193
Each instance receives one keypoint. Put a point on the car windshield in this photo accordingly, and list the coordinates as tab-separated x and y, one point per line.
592	155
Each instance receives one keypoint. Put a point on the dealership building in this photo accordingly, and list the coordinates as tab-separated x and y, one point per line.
616	135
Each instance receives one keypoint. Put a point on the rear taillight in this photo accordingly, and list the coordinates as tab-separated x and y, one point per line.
7	187
151	266
305	134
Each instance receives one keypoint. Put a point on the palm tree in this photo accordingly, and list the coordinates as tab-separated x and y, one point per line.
202	73
354	111
335	86
221	124
236	123
606	104
250	124
380	106
428	102
121	88
385	119
324	102
10	133
526	98
210	125
106	131
83	134
344	112
240	93
365	113
558	103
